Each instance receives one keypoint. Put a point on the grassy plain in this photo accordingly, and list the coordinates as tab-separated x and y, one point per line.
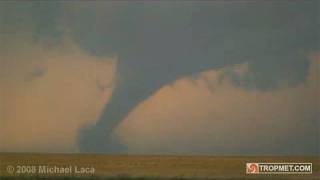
147	167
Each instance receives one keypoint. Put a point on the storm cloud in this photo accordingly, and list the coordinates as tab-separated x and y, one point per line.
155	44
48	94
211	113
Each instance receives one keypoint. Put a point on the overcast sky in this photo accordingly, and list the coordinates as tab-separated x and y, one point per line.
160	77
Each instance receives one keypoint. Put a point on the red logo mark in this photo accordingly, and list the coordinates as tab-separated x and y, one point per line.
252	168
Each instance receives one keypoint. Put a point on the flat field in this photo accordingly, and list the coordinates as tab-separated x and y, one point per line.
29	165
